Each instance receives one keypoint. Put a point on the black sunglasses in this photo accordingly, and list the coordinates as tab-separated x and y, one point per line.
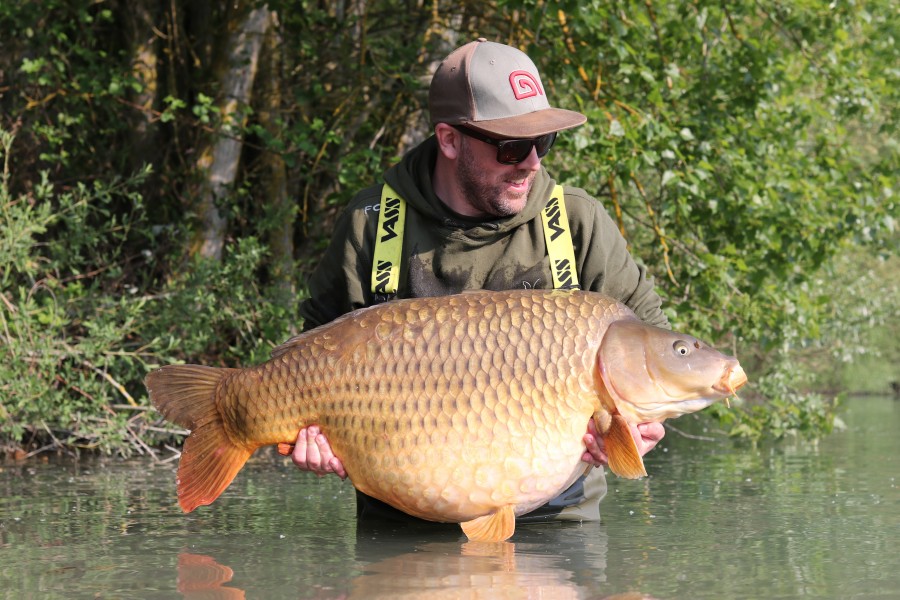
512	152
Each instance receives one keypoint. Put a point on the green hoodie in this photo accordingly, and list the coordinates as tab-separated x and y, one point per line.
446	253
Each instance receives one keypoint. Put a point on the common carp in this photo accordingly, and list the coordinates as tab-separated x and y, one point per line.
468	408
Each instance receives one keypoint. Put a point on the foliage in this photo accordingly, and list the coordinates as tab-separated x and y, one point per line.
748	149
78	335
69	335
858	351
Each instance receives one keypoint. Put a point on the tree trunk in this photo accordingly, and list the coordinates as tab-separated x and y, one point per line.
416	126
218	163
274	171
140	21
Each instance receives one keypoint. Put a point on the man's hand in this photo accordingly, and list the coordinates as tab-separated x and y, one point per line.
312	452
646	436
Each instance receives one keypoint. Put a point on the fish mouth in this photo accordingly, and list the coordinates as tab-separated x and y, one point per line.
734	378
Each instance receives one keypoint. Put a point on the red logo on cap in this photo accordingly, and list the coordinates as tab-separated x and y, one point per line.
525	85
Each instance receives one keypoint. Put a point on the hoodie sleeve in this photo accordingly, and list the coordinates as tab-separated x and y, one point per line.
605	264
341	281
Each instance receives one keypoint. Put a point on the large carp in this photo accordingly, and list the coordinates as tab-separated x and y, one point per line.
469	408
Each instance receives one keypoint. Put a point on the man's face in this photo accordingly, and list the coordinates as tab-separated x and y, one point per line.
493	189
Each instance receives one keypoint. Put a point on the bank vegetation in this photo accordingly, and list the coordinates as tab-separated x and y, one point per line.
171	171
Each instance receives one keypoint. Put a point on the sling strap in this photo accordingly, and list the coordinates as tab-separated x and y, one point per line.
389	242
559	242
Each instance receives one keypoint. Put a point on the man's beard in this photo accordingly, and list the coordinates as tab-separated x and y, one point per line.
491	198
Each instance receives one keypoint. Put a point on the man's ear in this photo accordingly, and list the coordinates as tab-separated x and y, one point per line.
448	139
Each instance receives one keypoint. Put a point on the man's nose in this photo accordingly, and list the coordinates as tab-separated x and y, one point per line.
532	162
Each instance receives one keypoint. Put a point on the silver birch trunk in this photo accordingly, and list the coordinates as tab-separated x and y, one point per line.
219	162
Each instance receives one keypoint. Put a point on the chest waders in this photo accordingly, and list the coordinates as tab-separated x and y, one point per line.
389	242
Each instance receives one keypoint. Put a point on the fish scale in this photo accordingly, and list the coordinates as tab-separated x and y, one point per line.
440	368
459	408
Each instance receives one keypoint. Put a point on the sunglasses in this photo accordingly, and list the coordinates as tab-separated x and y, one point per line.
512	152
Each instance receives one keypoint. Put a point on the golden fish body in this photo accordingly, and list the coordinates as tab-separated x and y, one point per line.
468	408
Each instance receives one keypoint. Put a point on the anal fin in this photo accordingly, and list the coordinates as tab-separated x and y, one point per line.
495	527
624	458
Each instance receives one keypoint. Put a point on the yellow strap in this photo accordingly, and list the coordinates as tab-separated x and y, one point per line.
559	242
388	243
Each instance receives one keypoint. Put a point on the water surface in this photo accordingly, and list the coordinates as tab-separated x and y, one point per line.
714	520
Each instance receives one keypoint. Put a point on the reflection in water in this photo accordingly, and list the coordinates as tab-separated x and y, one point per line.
471	570
785	520
542	561
433	570
201	577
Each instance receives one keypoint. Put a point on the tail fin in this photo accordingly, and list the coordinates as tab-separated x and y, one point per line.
186	395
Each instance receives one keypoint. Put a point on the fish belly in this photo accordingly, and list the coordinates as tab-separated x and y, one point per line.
455	467
446	408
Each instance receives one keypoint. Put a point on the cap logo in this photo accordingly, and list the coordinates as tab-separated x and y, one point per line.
524	85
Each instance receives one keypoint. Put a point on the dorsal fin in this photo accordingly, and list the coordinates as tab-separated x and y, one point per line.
298	340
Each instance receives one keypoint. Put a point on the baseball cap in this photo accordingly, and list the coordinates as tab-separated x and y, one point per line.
495	89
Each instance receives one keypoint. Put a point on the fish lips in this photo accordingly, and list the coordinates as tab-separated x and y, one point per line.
733	379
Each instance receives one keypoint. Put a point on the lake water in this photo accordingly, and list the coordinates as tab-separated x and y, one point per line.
714	520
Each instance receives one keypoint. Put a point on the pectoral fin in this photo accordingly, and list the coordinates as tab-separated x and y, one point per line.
495	527
624	458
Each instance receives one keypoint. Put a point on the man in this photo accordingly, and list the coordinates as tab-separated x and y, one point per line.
479	216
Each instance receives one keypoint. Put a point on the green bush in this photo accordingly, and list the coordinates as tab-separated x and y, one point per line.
78	330
71	332
747	149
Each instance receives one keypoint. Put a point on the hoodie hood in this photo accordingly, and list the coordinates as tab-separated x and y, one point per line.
411	178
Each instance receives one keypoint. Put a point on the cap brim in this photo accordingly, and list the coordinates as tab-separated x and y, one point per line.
530	125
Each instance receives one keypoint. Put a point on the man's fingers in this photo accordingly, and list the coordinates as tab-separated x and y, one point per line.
320	454
652	432
337	467
316	448
298	456
594	453
307	454
312	452
638	438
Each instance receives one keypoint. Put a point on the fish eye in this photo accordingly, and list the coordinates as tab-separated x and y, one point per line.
681	348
